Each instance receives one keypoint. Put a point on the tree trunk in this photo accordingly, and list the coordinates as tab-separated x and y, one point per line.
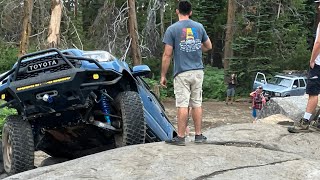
39	15
208	58
39	24
161	18
76	9
318	14
228	52
53	39
26	27
133	31
217	54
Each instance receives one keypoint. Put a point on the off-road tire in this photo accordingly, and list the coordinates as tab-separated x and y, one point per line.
18	145
129	107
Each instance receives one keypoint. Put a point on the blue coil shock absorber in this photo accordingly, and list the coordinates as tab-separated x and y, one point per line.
105	106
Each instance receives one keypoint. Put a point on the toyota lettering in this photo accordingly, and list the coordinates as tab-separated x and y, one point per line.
43	65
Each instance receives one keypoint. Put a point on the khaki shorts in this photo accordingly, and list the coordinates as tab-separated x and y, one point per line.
188	88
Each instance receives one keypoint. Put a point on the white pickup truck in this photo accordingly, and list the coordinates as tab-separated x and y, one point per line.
281	85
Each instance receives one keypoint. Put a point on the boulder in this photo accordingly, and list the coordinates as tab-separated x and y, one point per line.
267	136
238	151
287	106
277	119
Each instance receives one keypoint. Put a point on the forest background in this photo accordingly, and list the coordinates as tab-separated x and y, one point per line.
268	36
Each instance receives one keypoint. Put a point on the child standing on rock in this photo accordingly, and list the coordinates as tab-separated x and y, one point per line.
258	100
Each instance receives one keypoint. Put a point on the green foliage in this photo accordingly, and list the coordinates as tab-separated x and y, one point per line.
3	114
298	60
212	14
270	39
89	11
213	84
142	14
167	92
270	36
8	56
155	66
151	82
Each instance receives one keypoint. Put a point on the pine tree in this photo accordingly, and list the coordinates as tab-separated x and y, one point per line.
271	37
212	14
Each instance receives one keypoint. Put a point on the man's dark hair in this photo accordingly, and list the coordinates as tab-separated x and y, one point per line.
184	7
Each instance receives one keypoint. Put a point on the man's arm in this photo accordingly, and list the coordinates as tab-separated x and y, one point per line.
316	49
206	46
228	80
167	54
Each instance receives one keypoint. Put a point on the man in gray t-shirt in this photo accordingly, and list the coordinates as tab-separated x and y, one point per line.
186	39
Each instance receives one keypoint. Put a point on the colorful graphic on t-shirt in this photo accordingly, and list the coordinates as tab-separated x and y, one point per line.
190	40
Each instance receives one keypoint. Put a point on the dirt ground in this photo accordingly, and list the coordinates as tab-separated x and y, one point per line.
215	113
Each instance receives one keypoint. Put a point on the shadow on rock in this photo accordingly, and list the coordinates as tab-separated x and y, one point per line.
51	161
286	123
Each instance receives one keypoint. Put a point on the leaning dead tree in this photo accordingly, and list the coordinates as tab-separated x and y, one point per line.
53	39
109	30
69	36
26	27
66	35
151	37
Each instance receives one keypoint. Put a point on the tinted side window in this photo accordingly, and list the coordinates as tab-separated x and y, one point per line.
302	83
296	83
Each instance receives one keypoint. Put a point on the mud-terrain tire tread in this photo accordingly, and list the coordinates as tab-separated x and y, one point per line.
22	143
133	121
